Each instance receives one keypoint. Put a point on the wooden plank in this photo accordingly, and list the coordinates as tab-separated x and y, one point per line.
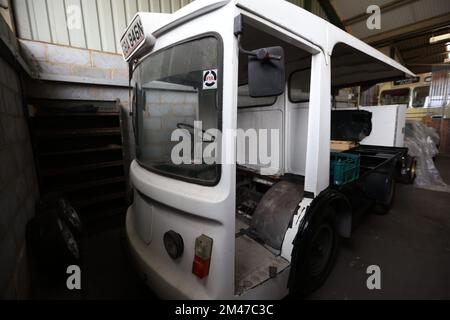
337	145
91	24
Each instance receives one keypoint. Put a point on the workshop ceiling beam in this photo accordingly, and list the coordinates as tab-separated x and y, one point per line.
409	31
331	13
427	45
397	55
385	8
430	57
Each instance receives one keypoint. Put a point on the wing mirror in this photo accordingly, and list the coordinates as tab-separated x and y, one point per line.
266	72
266	67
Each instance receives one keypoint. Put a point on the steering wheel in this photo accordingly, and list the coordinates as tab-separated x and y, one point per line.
191	129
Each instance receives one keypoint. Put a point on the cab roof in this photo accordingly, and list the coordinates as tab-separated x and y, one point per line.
353	61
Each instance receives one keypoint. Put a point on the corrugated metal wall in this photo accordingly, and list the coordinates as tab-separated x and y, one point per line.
92	24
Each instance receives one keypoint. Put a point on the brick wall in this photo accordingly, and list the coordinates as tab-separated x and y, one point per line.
61	63
18	186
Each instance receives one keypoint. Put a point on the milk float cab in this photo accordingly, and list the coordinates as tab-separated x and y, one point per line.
219	229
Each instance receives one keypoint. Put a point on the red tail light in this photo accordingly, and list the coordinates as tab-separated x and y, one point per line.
202	259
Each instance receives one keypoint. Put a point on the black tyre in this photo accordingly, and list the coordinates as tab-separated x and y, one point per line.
318	253
69	245
70	216
52	245
383	207
406	170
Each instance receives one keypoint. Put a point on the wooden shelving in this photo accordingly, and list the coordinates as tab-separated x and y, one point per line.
81	168
62	133
89	184
87	201
74	114
78	150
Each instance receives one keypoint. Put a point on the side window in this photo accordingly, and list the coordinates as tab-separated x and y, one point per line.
420	95
395	96
245	101
299	86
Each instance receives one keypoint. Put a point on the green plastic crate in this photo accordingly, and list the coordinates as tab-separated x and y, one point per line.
344	168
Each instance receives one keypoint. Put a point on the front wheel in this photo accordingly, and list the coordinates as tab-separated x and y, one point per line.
318	253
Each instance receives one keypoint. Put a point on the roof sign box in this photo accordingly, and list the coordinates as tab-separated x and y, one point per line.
406	81
135	38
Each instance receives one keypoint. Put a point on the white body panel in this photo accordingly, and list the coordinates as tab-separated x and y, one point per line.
270	118
162	204
190	209
286	250
297	115
388	126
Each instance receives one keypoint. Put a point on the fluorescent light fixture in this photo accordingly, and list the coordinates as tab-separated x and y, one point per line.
440	38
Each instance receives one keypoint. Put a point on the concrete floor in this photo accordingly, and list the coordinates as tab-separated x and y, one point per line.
411	245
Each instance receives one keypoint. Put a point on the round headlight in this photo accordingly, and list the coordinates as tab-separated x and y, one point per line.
173	243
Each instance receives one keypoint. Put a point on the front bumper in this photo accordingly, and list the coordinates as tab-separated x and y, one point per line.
158	276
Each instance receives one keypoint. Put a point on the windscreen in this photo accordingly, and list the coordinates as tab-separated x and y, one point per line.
177	97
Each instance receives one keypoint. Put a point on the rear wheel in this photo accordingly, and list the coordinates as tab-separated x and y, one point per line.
407	170
383	207
318	254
